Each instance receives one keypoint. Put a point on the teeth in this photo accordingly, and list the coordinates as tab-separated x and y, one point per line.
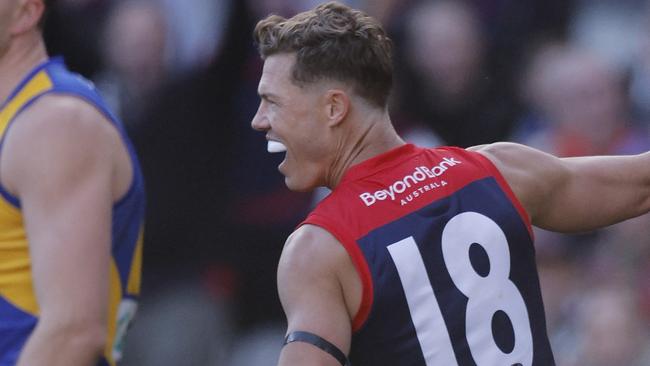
275	147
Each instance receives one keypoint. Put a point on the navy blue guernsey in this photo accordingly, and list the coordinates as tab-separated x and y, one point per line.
445	254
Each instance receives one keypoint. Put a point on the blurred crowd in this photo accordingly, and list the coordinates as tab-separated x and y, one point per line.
570	77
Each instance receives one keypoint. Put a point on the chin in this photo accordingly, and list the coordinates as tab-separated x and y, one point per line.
298	186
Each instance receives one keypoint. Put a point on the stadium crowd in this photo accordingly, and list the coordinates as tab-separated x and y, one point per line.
570	77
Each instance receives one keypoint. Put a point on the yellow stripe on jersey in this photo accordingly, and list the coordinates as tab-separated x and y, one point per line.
38	84
133	286
15	273
121	310
115	296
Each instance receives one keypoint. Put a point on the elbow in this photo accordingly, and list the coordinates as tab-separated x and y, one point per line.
641	203
645	202
91	337
83	336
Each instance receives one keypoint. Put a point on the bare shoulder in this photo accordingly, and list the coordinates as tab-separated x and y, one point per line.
514	161
508	154
312	249
312	294
308	263
520	161
60	136
530	173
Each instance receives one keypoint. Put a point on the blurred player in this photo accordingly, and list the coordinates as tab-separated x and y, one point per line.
71	208
418	256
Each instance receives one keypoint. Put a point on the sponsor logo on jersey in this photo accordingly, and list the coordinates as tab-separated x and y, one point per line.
419	175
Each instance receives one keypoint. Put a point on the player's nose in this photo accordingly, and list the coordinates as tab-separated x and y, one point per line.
260	122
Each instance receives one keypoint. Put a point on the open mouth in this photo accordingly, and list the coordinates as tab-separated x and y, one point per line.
275	147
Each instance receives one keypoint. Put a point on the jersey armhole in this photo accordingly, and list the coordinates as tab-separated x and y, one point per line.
124	139
360	265
15	201
489	165
4	191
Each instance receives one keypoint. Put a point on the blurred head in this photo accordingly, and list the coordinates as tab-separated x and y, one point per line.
612	328
262	8
444	45
318	66
577	91
135	42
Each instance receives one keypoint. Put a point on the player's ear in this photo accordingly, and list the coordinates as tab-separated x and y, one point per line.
27	16
337	106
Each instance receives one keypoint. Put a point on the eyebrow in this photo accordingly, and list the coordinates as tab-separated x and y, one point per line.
266	95
269	97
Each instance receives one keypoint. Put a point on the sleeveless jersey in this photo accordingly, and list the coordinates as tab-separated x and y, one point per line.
18	306
445	254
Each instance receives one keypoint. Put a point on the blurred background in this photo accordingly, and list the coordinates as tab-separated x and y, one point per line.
571	77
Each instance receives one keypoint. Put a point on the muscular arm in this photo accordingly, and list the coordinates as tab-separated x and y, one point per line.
574	194
58	160
312	295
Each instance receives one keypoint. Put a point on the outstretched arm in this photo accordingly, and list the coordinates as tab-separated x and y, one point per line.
58	160
574	194
312	295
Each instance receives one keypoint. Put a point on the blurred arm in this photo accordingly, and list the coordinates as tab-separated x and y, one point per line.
574	194
312	296
58	160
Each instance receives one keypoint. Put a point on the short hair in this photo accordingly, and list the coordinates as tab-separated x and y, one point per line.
333	41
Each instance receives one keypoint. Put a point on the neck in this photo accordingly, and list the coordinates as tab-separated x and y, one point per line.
375	136
22	55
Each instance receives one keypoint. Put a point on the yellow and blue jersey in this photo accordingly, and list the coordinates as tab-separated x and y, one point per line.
18	306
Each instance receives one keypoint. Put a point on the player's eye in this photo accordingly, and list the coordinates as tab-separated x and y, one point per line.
266	99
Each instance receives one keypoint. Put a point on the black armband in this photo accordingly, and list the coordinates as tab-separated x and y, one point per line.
319	342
